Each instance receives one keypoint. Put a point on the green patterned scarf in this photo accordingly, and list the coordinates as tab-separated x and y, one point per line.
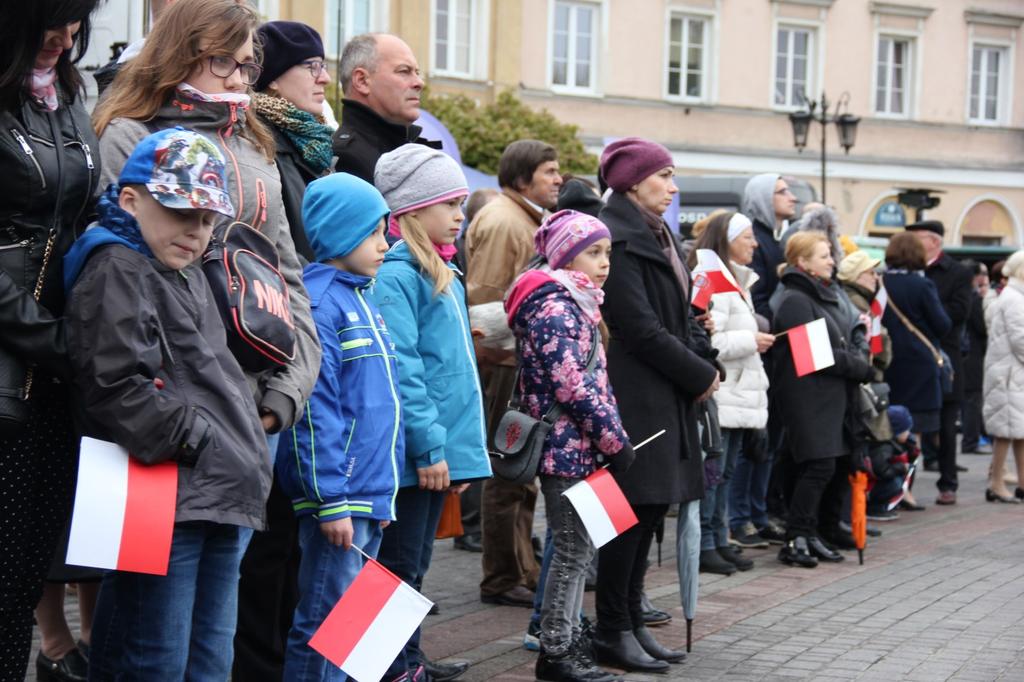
307	132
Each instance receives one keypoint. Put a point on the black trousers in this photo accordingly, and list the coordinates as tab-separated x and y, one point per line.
835	500
948	479
267	594
971	426
811	480
621	566
470	505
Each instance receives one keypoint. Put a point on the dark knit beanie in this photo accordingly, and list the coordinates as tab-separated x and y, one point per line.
285	44
626	162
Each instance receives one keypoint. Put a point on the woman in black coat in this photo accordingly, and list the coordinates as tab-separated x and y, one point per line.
913	375
48	153
813	406
290	99
657	380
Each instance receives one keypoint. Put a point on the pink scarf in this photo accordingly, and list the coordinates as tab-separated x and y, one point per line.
445	251
588	296
41	84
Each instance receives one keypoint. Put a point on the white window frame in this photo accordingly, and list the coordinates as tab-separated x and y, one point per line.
378	23
709	57
815	56
599	31
910	74
1004	98
479	38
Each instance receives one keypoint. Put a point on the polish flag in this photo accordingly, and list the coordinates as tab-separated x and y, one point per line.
370	624
812	351
878	305
602	507
124	511
710	277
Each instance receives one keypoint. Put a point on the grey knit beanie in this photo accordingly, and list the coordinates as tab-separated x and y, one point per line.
416	176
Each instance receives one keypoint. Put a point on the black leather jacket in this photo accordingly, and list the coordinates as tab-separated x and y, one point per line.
44	198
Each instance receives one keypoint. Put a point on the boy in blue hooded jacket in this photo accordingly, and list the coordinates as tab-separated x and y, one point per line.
339	463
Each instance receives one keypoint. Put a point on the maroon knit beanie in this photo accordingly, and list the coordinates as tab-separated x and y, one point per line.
626	162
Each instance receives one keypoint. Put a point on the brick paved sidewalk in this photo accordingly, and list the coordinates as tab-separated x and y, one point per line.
940	597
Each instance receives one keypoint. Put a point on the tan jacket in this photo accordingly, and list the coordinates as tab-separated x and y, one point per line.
499	245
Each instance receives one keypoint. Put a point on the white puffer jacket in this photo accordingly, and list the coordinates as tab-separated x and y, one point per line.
743	396
1004	363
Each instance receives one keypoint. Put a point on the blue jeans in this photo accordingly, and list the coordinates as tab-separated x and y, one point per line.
405	550
748	492
273	440
714	519
325	572
545	564
174	627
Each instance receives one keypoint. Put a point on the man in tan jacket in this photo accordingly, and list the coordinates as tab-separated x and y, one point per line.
499	245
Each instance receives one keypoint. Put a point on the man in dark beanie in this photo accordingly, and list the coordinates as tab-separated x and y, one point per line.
953	281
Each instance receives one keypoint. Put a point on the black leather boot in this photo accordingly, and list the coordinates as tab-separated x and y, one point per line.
796	553
620	649
569	667
823	551
655	649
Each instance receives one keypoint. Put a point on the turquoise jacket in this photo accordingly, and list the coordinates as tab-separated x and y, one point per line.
343	457
442	404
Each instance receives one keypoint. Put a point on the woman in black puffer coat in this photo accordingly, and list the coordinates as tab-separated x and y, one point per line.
814	406
47	151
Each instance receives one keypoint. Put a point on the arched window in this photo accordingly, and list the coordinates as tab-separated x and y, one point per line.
988	222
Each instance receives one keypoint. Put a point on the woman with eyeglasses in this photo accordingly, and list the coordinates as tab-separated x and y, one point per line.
196	70
290	99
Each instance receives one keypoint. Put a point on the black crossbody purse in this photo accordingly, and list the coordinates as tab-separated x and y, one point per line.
519	439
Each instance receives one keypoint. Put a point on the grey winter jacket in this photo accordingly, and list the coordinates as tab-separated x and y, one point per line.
154	374
255	187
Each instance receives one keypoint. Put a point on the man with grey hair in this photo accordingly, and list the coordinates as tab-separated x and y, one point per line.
381	83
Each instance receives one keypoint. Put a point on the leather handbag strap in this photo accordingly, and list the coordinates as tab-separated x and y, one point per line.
555	411
916	332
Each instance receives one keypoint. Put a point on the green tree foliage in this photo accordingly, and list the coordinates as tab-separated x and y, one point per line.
483	132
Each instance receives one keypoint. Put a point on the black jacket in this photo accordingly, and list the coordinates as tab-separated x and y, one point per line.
814	407
953	281
152	364
41	193
654	372
913	374
364	136
767	257
295	175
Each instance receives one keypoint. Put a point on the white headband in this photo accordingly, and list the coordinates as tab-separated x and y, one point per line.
737	224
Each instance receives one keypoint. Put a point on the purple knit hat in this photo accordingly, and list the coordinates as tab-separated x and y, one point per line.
626	162
566	234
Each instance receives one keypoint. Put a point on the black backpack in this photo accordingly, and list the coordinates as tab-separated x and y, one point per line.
242	267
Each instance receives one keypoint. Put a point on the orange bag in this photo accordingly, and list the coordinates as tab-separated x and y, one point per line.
450	524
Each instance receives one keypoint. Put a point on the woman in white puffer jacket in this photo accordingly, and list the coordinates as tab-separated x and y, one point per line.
1003	388
743	396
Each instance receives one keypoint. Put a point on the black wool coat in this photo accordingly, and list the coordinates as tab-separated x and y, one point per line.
654	373
364	136
295	175
814	406
953	281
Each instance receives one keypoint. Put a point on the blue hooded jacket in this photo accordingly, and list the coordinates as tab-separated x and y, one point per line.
342	458
442	404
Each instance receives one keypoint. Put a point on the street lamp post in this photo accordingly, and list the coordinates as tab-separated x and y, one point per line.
845	122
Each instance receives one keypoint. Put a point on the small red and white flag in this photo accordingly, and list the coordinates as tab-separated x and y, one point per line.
124	511
370	624
710	276
811	348
602	507
878	305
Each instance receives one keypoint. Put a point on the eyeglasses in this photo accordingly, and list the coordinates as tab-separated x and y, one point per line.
225	67
314	66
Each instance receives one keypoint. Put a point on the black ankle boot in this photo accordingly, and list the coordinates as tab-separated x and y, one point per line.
823	551
655	649
796	553
569	667
619	648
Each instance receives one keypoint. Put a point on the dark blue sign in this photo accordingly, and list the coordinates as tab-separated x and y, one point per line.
890	214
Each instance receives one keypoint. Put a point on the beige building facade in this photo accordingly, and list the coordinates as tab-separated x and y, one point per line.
938	84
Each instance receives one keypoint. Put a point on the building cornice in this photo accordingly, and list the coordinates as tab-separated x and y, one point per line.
825	4
981	16
893	9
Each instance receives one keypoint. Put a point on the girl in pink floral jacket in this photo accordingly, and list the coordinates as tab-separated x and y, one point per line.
554	311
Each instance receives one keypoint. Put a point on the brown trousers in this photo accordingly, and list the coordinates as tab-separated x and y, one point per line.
506	508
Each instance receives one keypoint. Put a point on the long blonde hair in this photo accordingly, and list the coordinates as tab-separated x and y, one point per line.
421	247
172	52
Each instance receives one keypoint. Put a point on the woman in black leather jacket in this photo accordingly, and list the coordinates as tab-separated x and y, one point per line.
47	152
